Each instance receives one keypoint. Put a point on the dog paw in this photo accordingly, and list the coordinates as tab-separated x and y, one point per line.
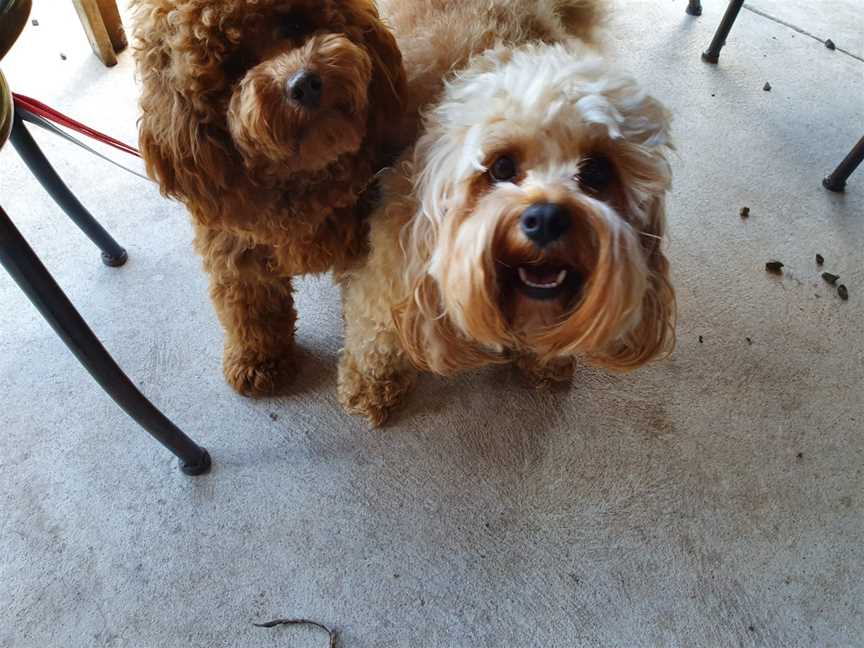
254	375
371	397
557	373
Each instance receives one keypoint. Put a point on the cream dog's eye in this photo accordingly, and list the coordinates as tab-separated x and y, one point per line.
596	173
504	169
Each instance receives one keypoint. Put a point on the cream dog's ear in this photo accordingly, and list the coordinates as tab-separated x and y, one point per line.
654	334
581	18
645	129
429	337
427	333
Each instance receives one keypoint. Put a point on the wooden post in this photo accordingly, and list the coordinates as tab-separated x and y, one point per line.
94	26
113	24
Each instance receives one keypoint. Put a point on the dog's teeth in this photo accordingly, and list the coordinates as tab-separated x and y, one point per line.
561	277
523	275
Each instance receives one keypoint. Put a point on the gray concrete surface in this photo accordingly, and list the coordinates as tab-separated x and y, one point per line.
839	21
715	499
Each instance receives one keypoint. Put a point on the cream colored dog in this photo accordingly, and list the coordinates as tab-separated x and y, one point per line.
526	224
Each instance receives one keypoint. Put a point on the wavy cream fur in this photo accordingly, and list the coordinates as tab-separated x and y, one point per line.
434	292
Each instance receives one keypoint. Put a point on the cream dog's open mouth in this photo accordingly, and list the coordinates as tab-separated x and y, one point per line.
545	281
542	277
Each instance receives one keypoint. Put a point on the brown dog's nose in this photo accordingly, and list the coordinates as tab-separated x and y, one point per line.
306	89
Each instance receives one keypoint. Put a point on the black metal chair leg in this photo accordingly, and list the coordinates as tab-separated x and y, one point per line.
112	253
28	272
712	55
837	180
694	8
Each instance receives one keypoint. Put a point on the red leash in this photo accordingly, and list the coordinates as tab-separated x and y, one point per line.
47	112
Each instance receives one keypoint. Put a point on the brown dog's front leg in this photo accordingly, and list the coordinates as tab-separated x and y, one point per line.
259	320
255	305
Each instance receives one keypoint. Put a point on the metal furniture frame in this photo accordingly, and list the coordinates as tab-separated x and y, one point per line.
836	181
22	263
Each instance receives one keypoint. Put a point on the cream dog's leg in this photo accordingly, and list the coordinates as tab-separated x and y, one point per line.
374	372
543	375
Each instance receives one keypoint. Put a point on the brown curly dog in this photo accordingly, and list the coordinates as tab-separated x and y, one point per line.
268	119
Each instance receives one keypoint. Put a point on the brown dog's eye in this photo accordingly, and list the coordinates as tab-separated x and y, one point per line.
294	26
504	169
596	173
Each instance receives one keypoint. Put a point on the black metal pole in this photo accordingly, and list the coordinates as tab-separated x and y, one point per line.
34	279
712	55
694	8
837	180
112	253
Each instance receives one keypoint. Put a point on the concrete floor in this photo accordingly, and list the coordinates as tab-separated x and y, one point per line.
715	499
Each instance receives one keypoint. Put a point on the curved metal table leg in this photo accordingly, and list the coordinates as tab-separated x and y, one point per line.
712	54
34	279
112	253
837	180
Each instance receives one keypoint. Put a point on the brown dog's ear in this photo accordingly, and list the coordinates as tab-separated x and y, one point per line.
387	90
187	161
182	137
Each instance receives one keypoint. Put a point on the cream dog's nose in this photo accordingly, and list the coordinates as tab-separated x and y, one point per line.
545	223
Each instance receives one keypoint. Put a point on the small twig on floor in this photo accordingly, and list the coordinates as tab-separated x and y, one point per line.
301	622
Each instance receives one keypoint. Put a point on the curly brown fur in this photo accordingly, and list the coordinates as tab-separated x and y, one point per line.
455	278
273	185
